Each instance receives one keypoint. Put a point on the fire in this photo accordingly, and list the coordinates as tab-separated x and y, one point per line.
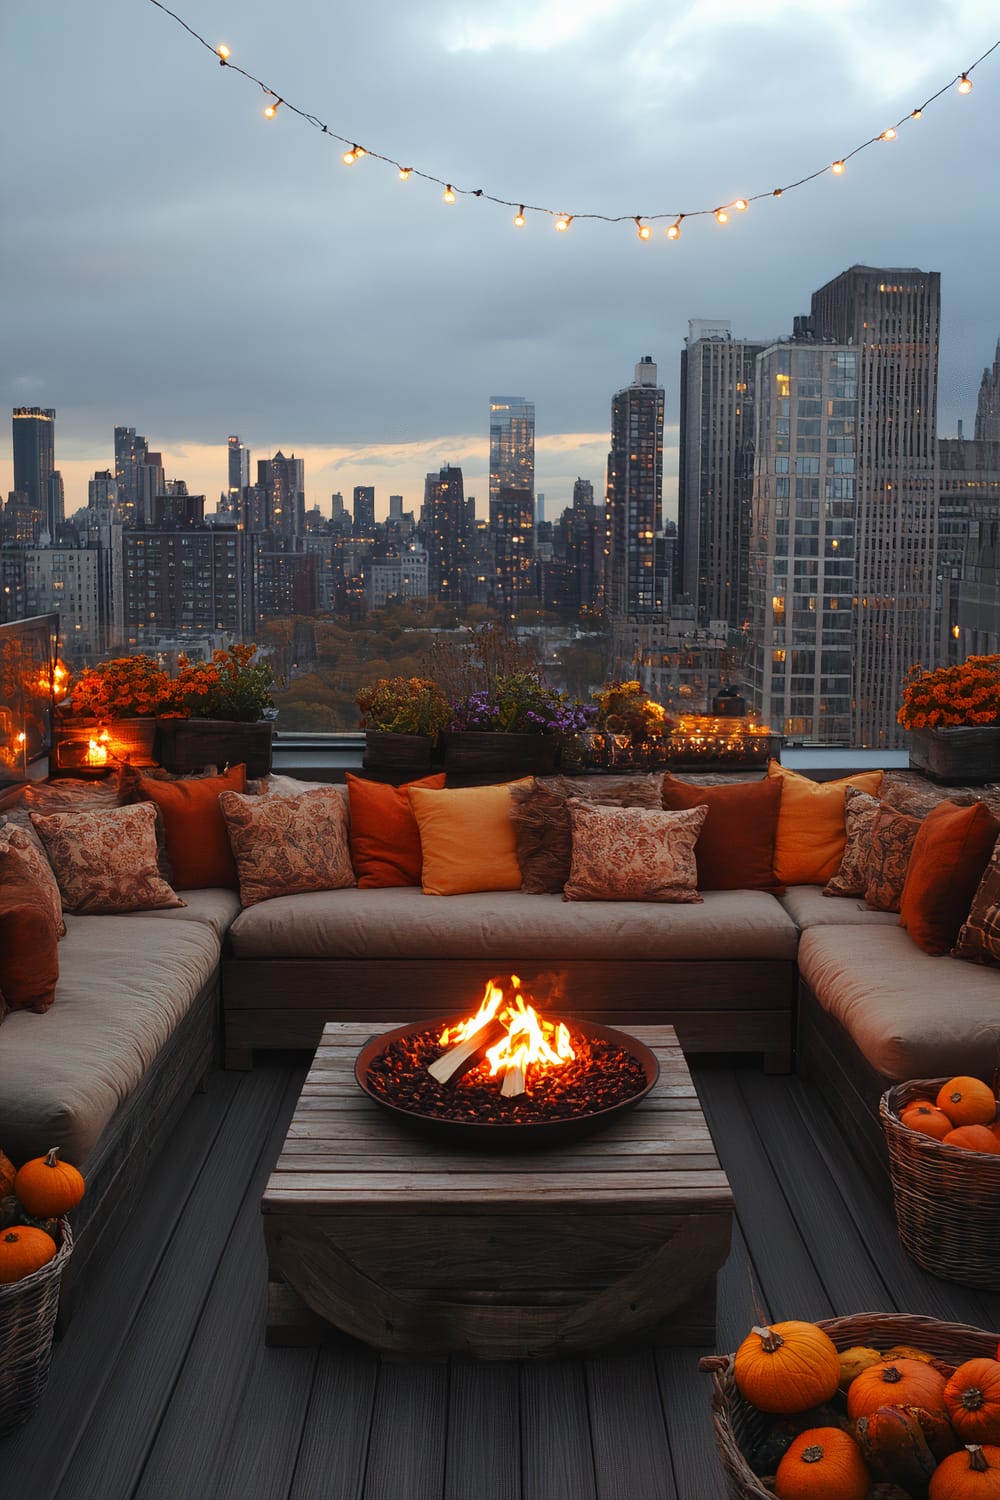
97	750
530	1040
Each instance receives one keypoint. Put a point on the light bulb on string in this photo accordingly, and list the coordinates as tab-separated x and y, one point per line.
350	157
721	217
965	84
224	53
888	135
741	205
563	222
674	230
643	230
449	193
404	173
837	169
270	110
917	114
519	218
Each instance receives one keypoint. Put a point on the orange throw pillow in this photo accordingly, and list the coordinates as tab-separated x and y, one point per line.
194	829
950	852
385	839
29	947
467	840
811	829
735	849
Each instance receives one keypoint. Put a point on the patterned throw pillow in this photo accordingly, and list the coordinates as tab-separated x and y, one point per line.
979	939
859	815
542	827
22	853
632	854
890	844
284	846
105	862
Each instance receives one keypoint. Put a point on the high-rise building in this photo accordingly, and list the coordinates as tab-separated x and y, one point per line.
138	474
186	580
364	510
715	477
395	507
34	461
634	493
445	535
988	407
239	473
280	504
892	318
512	533
512	446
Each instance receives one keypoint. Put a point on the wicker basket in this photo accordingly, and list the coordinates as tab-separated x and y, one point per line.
947	1200
739	1426
27	1319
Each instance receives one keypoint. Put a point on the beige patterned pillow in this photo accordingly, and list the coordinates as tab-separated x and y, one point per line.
859	814
105	862
286	845
633	854
890	844
21	850
542	831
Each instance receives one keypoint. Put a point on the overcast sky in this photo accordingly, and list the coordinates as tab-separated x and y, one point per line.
174	262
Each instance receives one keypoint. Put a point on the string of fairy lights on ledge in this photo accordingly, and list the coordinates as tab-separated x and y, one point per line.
355	153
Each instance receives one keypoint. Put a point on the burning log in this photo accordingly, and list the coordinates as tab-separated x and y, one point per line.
457	1061
513	1081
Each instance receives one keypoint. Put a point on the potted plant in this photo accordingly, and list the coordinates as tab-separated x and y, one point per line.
628	725
402	718
118	700
221	712
953	718
514	725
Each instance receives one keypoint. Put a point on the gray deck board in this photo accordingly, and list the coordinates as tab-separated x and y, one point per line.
164	1386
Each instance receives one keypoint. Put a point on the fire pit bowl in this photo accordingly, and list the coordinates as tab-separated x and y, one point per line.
490	1134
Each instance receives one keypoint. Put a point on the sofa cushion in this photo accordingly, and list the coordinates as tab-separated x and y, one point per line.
911	1015
29	943
23	854
288	844
950	853
466	839
106	861
194	829
541	820
500	926
979	939
809	906
385	839
735	848
811	829
126	982
851	877
890	843
633	853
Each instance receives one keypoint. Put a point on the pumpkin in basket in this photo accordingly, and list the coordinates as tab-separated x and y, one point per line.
967	1101
787	1367
903	1382
8	1172
971	1474
924	1116
47	1186
23	1250
972	1401
895	1448
973	1138
822	1463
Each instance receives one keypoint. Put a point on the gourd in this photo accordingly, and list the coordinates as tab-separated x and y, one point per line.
856	1359
23	1250
822	1463
47	1186
972	1401
967	1101
924	1116
8	1172
892	1443
971	1474
903	1382
973	1138
787	1367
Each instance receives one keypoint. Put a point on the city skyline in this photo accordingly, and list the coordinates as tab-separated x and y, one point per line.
365	329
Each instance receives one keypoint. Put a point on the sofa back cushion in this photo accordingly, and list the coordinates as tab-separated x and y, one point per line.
950	853
385	839
811	830
29	945
22	853
106	862
633	854
979	938
542	825
194	829
466	839
284	846
890	844
735	850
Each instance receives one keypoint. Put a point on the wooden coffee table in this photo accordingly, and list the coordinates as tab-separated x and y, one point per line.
612	1240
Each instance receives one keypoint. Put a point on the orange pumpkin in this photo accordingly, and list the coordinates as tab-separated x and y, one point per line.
924	1116
8	1172
971	1474
822	1463
967	1101
903	1382
895	1448
48	1187
974	1138
23	1250
787	1367
972	1401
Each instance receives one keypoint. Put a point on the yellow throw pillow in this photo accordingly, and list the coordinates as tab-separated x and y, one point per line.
811	827
466	839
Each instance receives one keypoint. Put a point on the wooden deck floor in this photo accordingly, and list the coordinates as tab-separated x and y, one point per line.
163	1386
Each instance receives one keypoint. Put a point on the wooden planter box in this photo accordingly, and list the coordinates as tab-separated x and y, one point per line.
191	744
958	756
410	754
473	752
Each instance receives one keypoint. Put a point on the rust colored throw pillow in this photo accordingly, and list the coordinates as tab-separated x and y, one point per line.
979	939
466	839
105	862
890	844
385	839
859	815
811	830
23	854
950	853
284	846
633	854
735	850
194	828
29	947
542	827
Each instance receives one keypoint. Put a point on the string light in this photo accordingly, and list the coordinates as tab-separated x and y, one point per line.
222	53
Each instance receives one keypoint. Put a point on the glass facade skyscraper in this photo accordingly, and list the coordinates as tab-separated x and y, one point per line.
634	495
